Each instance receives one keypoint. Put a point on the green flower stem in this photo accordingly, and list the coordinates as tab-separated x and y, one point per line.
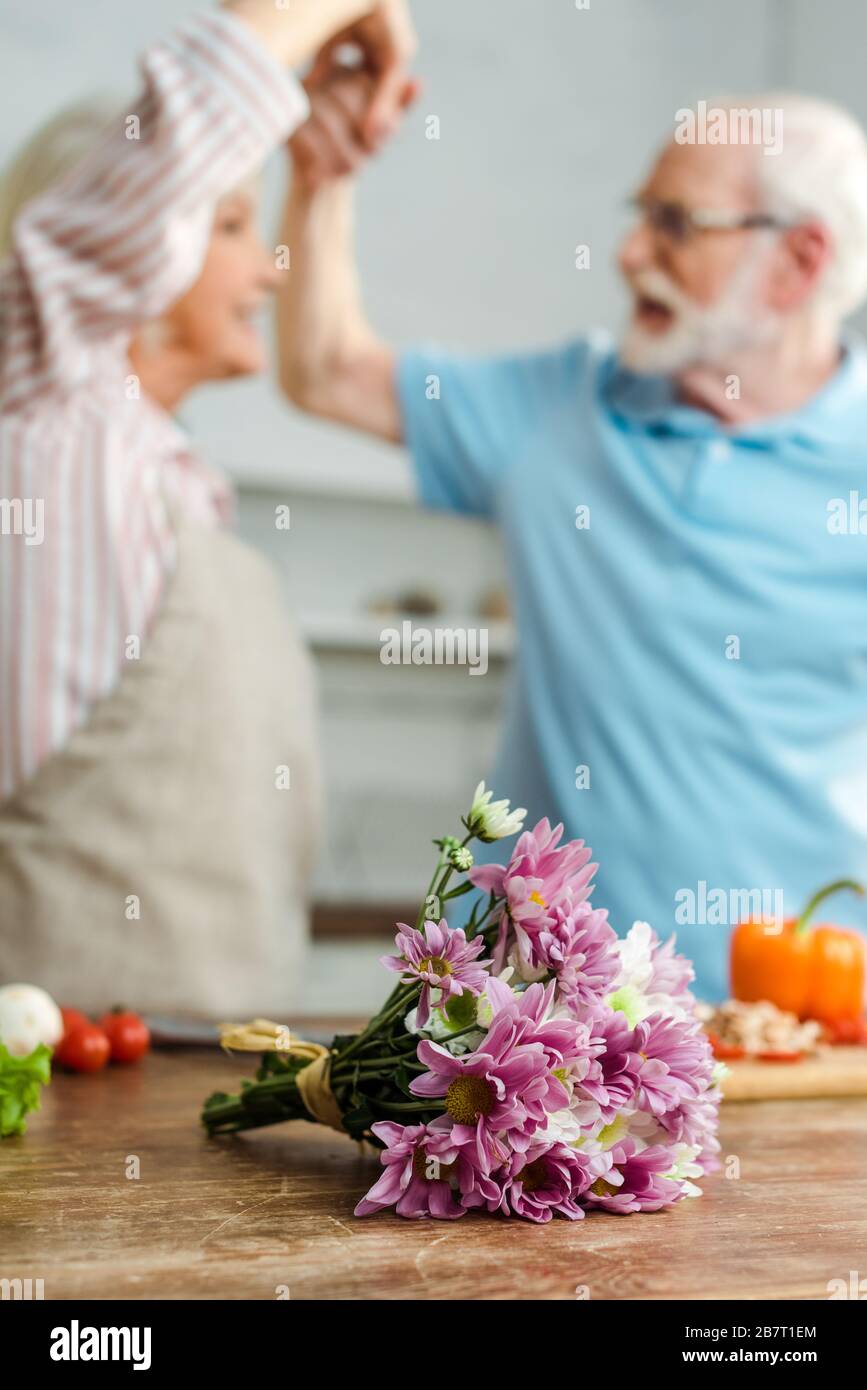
422	912
458	1033
440	877
383	1058
377	1024
408	1106
480	930
371	1052
397	1010
382	1067
391	998
235	1113
385	1063
272	1085
458	892
439	890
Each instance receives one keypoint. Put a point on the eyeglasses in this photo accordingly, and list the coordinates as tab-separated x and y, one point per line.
680	224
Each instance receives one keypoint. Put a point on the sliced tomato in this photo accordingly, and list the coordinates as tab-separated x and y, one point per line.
725	1052
780	1056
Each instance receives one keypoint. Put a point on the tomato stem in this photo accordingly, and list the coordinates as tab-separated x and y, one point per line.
823	893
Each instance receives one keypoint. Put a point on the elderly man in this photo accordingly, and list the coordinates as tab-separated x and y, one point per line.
681	514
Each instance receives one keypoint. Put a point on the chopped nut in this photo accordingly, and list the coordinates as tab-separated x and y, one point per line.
759	1027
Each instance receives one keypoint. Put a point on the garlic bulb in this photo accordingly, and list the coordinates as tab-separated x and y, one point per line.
28	1017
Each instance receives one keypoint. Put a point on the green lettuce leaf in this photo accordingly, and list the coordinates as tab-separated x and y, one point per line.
21	1080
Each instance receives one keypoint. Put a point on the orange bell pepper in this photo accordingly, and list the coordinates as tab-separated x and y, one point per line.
814	972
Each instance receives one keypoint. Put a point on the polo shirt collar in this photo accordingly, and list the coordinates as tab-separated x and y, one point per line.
834	415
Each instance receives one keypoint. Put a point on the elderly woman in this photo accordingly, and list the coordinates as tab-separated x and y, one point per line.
157	755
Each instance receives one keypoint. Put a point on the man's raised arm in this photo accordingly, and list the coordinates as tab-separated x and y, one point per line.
331	362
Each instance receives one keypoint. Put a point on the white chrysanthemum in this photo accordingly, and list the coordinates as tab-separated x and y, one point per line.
530	974
574	1126
583	1126
632	994
493	820
484	1012
685	1168
636	957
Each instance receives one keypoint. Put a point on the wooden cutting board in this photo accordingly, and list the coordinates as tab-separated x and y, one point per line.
836	1071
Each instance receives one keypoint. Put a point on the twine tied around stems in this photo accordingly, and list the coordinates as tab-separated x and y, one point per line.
313	1080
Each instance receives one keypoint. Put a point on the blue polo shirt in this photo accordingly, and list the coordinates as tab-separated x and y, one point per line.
690	689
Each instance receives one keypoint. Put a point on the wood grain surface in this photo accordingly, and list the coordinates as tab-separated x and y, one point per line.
837	1071
242	1217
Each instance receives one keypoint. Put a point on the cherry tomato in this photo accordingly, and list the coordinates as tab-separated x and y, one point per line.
127	1034
725	1052
73	1018
85	1048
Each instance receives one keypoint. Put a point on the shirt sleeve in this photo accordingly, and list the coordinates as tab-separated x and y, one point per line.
466	419
108	247
124	234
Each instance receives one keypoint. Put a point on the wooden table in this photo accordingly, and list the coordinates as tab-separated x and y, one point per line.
238	1217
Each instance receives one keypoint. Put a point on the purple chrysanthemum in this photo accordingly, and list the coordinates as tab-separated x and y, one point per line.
538	875
495	1096
695	1122
564	1040
672	974
676	1062
441	959
633	1179
545	1180
612	1079
578	946
417	1164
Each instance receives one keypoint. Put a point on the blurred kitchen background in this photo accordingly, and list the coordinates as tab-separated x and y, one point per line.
548	114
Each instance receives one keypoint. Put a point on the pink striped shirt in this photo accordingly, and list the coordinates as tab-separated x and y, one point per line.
90	474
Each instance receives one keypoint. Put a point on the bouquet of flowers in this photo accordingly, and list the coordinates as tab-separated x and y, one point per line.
530	1063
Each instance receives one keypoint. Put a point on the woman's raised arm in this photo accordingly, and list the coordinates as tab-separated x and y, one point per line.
122	236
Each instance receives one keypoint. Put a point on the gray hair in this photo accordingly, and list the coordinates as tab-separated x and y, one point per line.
49	154
819	172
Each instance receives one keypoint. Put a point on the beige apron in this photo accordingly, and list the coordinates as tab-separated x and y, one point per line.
156	861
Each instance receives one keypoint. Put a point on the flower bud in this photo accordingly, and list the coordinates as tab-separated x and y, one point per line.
448	843
461	858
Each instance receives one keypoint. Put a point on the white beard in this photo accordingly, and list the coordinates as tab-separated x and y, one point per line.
698	334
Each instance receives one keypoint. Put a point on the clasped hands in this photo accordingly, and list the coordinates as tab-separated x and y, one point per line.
359	88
